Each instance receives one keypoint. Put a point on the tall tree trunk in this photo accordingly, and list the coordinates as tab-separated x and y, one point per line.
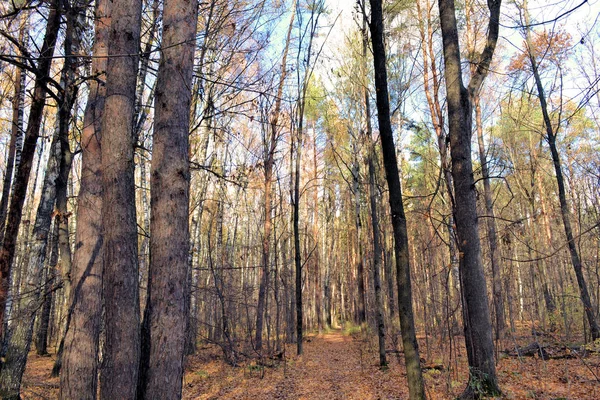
64	243
360	266
371	157
168	291
562	196
491	226
296	228
121	354
376	240
407	325
79	377
476	315
19	189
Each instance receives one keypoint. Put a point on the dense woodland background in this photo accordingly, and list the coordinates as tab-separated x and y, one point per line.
182	175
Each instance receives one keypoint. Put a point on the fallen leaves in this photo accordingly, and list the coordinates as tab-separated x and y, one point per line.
339	366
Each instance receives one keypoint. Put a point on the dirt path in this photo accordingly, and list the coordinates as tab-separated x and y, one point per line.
333	366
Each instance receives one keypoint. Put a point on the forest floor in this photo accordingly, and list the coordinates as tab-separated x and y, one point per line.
343	365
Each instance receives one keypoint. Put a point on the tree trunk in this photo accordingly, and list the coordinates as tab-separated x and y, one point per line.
297	249
49	282
78	379
19	190
168	289
476	315
371	157
376	242
121	354
407	325
41	335
491	226
360	270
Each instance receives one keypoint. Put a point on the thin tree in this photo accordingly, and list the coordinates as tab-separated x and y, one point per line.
316	9
371	159
476	314
416	386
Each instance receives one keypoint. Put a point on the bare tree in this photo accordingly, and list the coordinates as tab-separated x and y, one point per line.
565	213
476	314
407	325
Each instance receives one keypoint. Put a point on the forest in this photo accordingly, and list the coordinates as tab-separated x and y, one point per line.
299	199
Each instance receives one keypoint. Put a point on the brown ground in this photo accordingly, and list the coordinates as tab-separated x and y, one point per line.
341	366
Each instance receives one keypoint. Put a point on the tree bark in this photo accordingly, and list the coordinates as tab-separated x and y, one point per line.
78	379
409	339
168	289
121	354
476	315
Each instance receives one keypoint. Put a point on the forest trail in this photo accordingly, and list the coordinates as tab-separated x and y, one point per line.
334	366
338	365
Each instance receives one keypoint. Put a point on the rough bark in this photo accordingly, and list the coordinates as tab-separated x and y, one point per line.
476	315
78	378
21	179
121	353
168	291
407	325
